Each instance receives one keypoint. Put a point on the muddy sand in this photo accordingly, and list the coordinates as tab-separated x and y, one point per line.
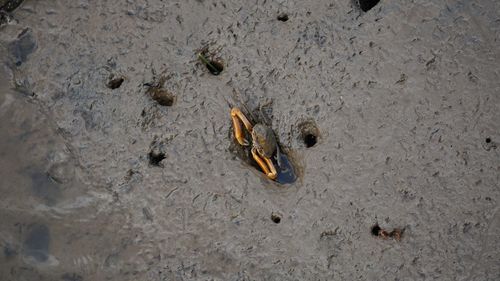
117	160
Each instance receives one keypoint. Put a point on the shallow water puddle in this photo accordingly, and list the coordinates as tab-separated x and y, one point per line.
286	172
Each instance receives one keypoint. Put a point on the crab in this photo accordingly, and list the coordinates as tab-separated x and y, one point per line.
263	143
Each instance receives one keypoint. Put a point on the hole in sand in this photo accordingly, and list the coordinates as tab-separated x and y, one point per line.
115	83
214	66
283	17
310	140
367	5
276	218
158	93
155	158
375	230
489	144
309	133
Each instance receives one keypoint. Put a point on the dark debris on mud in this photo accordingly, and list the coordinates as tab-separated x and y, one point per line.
115	82
396	233
214	64
158	93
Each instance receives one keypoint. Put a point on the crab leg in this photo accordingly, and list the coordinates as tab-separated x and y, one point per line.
273	174
265	164
236	116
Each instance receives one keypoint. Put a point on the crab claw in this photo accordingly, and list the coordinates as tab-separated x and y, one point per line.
237	116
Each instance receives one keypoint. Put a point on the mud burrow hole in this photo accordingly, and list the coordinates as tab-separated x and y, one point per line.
283	17
375	230
115	82
275	218
367	5
155	158
214	66
309	133
156	153
489	144
310	140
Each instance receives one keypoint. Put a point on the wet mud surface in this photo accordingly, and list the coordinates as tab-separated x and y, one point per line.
391	117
